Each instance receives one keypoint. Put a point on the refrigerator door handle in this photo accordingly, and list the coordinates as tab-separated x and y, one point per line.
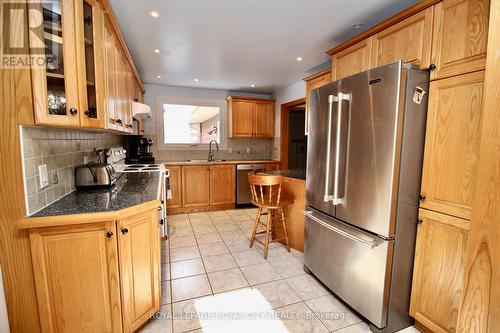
335	198
370	244
328	197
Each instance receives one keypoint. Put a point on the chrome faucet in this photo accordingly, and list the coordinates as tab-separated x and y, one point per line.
210	152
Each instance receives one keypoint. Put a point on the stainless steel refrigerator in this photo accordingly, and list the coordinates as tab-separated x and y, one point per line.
364	162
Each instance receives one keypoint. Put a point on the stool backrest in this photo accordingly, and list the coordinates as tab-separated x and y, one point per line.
266	189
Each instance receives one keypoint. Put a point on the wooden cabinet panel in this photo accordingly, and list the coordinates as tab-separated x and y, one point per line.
460	37
438	272
110	78
409	40
353	60
264	119
139	247
272	166
77	286
452	144
222	184
313	82
195	186
175	187
241	114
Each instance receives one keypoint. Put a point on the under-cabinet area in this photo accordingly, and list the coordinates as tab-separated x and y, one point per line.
249	166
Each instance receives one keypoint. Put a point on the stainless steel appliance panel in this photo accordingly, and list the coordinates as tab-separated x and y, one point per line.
372	117
318	171
243	194
358	264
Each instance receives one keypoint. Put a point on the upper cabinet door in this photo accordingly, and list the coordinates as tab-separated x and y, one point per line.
452	144
408	40
89	26
110	78
313	83
241	118
55	95
460	37
264	119
355	59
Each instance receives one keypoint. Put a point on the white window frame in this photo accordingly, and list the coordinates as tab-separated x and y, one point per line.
221	104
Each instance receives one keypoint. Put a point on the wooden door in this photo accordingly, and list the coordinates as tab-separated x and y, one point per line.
264	119
89	26
110	78
175	187
438	271
55	99
409	40
354	59
195	186
452	144
222	184
460	37
314	82
139	248
77	284
241	113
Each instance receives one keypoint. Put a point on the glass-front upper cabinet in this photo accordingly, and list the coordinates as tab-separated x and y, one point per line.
66	86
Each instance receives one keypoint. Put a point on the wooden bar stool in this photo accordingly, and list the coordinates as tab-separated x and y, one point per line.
266	194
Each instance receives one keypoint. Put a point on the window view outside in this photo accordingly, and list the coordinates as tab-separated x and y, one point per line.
190	124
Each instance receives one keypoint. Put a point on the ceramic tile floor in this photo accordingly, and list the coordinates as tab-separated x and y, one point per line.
213	282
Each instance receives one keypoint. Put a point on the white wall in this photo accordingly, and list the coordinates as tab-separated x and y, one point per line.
287	94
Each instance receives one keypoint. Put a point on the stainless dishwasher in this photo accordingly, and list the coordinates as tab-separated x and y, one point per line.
243	195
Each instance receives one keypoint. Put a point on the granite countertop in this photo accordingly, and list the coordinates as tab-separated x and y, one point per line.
290	173
131	189
204	162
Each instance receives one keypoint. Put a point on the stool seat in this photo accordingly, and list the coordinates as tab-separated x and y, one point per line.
266	194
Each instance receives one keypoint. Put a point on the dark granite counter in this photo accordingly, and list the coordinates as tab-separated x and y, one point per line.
131	189
291	173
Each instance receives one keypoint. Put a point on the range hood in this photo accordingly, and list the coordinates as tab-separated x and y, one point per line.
140	110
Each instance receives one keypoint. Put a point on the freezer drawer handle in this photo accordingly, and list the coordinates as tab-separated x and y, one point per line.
335	199
327	197
309	214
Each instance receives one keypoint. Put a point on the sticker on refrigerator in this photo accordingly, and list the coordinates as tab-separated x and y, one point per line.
418	95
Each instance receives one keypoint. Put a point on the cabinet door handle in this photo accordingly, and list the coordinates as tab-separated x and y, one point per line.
73	111
421	197
419	221
109	234
124	231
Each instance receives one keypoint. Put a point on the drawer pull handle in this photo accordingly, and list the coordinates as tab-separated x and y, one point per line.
109	234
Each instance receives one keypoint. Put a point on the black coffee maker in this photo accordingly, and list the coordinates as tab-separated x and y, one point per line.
139	151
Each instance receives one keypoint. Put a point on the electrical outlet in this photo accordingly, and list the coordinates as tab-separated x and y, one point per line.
85	160
230	150
249	150
43	175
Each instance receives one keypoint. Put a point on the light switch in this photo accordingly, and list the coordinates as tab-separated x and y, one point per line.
43	175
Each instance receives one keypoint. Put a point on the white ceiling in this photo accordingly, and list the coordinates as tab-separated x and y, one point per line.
231	44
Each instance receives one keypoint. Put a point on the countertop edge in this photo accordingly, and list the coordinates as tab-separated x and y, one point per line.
167	163
72	219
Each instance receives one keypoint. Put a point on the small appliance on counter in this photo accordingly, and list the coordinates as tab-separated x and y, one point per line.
95	175
139	150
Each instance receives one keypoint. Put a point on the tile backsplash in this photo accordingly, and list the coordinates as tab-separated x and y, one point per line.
61	150
260	149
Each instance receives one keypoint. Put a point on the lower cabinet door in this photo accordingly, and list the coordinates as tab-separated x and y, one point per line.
139	248
77	284
222	184
438	271
195	186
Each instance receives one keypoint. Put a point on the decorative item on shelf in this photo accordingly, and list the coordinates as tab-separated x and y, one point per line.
57	104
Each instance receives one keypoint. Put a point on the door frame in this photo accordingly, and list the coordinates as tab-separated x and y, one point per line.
284	119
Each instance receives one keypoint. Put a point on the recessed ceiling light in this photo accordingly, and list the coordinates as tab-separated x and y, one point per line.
154	14
299	59
196	79
157	50
358	25
253	86
158	76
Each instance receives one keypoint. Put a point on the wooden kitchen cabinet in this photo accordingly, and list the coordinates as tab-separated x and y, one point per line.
222	184
354	59
439	270
139	250
195	186
452	144
409	40
77	284
312	82
250	117
460	37
110	78
175	186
